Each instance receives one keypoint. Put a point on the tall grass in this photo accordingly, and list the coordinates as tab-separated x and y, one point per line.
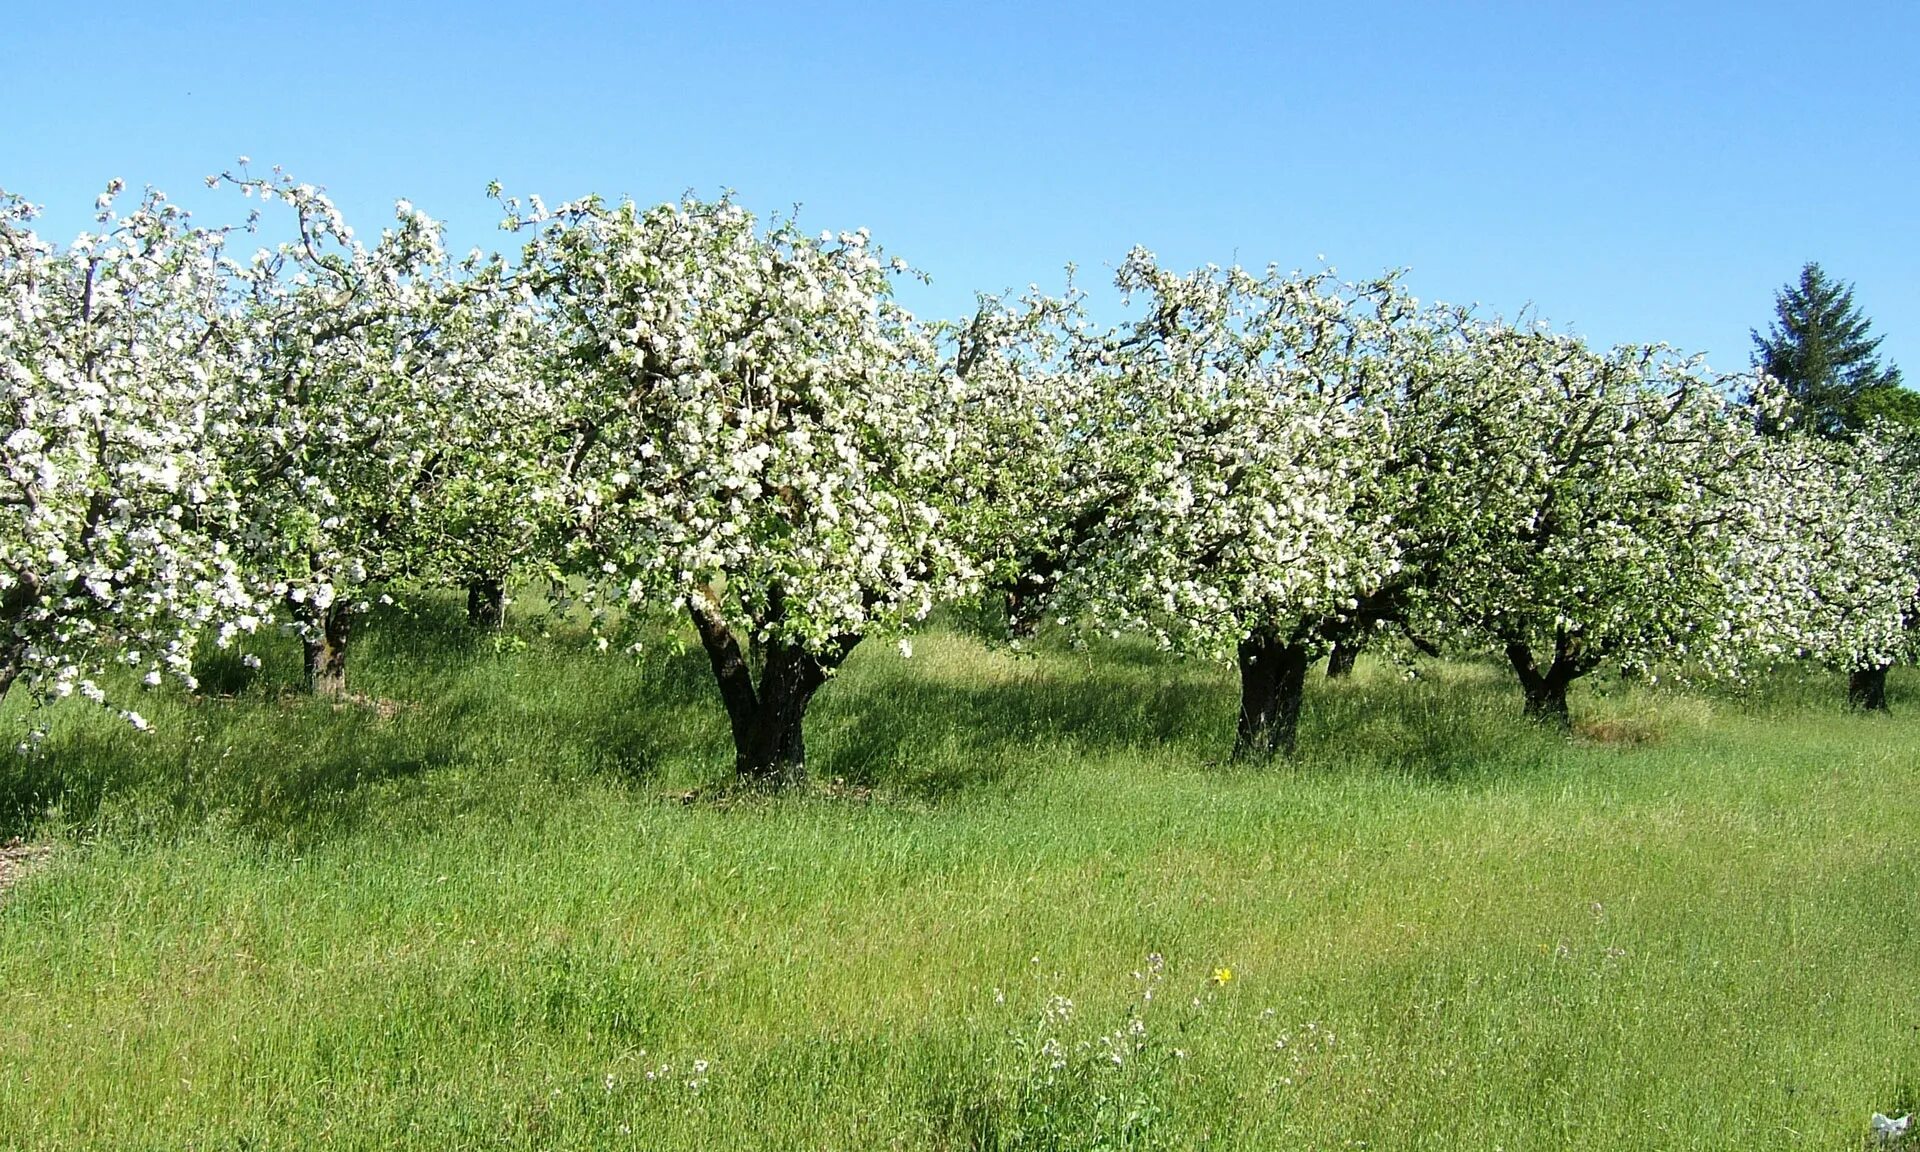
474	910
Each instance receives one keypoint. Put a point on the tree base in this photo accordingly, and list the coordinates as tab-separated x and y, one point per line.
1867	689
324	654
486	603
1549	707
1273	678
768	719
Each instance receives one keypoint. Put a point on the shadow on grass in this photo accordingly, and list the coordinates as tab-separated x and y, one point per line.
448	719
891	726
1457	724
272	771
895	728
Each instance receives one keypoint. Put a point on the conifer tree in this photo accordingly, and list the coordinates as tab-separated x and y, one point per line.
1819	350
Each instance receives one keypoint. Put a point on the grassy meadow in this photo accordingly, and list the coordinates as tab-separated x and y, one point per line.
1026	905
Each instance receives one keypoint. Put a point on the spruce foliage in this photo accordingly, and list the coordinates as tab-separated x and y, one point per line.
1820	350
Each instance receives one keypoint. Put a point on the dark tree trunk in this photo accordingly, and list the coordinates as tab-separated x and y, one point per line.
1023	615
793	747
486	602
768	720
775	750
14	603
1546	690
1867	688
1273	677
1352	629
1547	703
326	650
1027	598
731	672
1340	663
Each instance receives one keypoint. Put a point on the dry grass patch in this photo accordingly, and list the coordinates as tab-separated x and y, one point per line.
1619	731
17	858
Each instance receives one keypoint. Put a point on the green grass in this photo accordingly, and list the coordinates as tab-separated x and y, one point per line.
476	917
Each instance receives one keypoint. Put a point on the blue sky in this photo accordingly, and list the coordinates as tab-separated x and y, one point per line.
1631	171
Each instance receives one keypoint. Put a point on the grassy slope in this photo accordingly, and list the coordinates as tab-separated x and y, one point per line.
474	921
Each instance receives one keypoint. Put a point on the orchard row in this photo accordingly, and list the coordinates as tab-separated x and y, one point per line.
680	409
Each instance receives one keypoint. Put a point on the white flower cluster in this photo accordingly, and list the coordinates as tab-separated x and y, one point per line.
384	423
1288	458
748	418
113	500
681	408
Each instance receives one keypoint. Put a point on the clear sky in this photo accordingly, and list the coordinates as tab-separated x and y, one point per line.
1634	171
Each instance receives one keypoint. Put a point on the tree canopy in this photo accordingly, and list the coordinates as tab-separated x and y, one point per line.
683	411
1819	350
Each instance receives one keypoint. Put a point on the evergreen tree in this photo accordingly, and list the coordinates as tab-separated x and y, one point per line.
1819	350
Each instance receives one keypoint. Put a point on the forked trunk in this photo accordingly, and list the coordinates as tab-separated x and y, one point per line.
1546	690
486	602
1027	598
768	720
775	749
325	656
1273	677
1340	662
1867	688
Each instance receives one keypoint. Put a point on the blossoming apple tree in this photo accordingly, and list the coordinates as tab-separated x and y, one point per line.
755	437
111	491
1830	563
1399	365
1039	427
367	418
1606	511
1240	531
